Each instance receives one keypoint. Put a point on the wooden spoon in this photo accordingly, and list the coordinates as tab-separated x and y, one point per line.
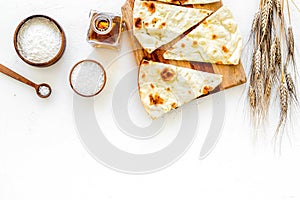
42	90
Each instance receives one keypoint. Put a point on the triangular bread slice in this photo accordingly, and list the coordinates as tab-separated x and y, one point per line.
189	2
156	24
216	40
164	87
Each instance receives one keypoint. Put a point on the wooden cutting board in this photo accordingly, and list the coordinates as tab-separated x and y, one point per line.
232	75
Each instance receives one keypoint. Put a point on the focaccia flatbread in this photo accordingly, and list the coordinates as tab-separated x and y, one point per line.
216	40
189	2
156	24
165	87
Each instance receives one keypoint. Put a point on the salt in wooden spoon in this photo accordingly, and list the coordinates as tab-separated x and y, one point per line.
43	90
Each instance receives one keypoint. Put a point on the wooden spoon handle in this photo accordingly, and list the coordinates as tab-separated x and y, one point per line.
17	76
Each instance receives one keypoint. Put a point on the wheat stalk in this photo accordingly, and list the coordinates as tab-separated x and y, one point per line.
283	107
267	93
278	58
291	42
257	64
291	87
283	99
291	49
255	23
278	7
252	97
273	52
259	100
264	64
273	55
265	16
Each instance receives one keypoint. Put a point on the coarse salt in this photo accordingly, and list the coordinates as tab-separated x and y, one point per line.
44	90
39	40
88	78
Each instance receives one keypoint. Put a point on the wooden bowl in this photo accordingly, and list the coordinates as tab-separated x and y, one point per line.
56	57
76	65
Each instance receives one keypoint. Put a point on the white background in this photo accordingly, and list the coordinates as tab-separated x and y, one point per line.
41	156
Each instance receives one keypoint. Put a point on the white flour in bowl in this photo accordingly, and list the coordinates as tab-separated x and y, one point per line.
39	40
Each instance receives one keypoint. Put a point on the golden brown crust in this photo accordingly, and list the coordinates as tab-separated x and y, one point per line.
138	22
174	105
155	100
225	49
150	5
205	90
214	36
167	74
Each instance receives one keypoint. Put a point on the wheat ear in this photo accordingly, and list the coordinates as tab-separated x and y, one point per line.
291	87
283	107
265	17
